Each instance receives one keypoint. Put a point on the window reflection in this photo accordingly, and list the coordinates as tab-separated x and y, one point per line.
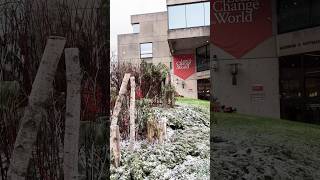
136	28
195	15
189	15
146	50
177	18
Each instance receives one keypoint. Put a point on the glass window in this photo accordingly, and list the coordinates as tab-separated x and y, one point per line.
203	58
298	14
315	11
177	18
195	14
189	15
207	14
146	50
136	28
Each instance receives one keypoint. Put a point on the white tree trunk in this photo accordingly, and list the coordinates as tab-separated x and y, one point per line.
115	140
72	123
115	135
132	112
118	104
35	112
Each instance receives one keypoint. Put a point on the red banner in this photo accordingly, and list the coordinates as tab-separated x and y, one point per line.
238	26
184	65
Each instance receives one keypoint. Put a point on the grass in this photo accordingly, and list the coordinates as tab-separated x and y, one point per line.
253	125
277	128
193	102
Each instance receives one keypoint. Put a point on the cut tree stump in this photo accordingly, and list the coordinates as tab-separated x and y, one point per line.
157	130
36	110
72	122
132	112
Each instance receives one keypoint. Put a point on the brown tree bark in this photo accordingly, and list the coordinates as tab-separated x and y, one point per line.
72	122
36	110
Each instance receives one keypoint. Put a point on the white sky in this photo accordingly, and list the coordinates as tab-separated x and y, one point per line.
121	10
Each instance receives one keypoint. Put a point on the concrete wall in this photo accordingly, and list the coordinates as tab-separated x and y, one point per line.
259	66
153	28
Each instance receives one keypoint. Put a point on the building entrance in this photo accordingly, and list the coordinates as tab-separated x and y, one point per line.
300	87
203	89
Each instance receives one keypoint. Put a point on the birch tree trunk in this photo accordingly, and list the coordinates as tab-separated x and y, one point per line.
72	122
115	140
35	112
132	112
118	104
115	134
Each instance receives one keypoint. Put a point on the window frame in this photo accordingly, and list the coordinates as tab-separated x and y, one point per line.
146	53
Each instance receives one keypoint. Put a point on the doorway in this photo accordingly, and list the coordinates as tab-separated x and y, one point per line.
300	87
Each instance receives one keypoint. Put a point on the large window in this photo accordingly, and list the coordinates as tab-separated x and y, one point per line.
203	58
189	15
298	14
136	28
146	50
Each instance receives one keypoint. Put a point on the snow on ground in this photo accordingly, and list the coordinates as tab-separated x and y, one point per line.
185	155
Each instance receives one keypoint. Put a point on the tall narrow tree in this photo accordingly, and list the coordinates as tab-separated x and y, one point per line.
72	123
36	110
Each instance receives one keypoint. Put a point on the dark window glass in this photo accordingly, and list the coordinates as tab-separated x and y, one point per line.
203	58
298	14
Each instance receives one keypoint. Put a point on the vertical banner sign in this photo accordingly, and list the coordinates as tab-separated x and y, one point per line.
184	65
238	26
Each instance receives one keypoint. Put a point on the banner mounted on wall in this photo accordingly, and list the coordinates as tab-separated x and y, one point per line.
238	26
184	65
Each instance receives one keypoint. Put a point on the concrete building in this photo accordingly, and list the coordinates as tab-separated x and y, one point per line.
264	54
162	38
276	63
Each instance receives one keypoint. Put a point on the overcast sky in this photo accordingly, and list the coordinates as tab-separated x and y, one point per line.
121	10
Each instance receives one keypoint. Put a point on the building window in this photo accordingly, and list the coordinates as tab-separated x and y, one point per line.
189	15
297	14
146	50
136	28
203	58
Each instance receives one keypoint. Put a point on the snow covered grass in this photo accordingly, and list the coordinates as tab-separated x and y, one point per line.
252	147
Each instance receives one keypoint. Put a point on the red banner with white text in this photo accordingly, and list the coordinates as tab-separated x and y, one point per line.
238	26
184	65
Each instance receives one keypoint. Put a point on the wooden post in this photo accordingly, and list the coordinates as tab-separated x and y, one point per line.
35	112
72	122
115	140
132	112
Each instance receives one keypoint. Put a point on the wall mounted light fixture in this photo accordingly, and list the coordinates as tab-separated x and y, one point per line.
234	70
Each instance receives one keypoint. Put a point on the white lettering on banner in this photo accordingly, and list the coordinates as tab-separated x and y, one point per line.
235	11
184	64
